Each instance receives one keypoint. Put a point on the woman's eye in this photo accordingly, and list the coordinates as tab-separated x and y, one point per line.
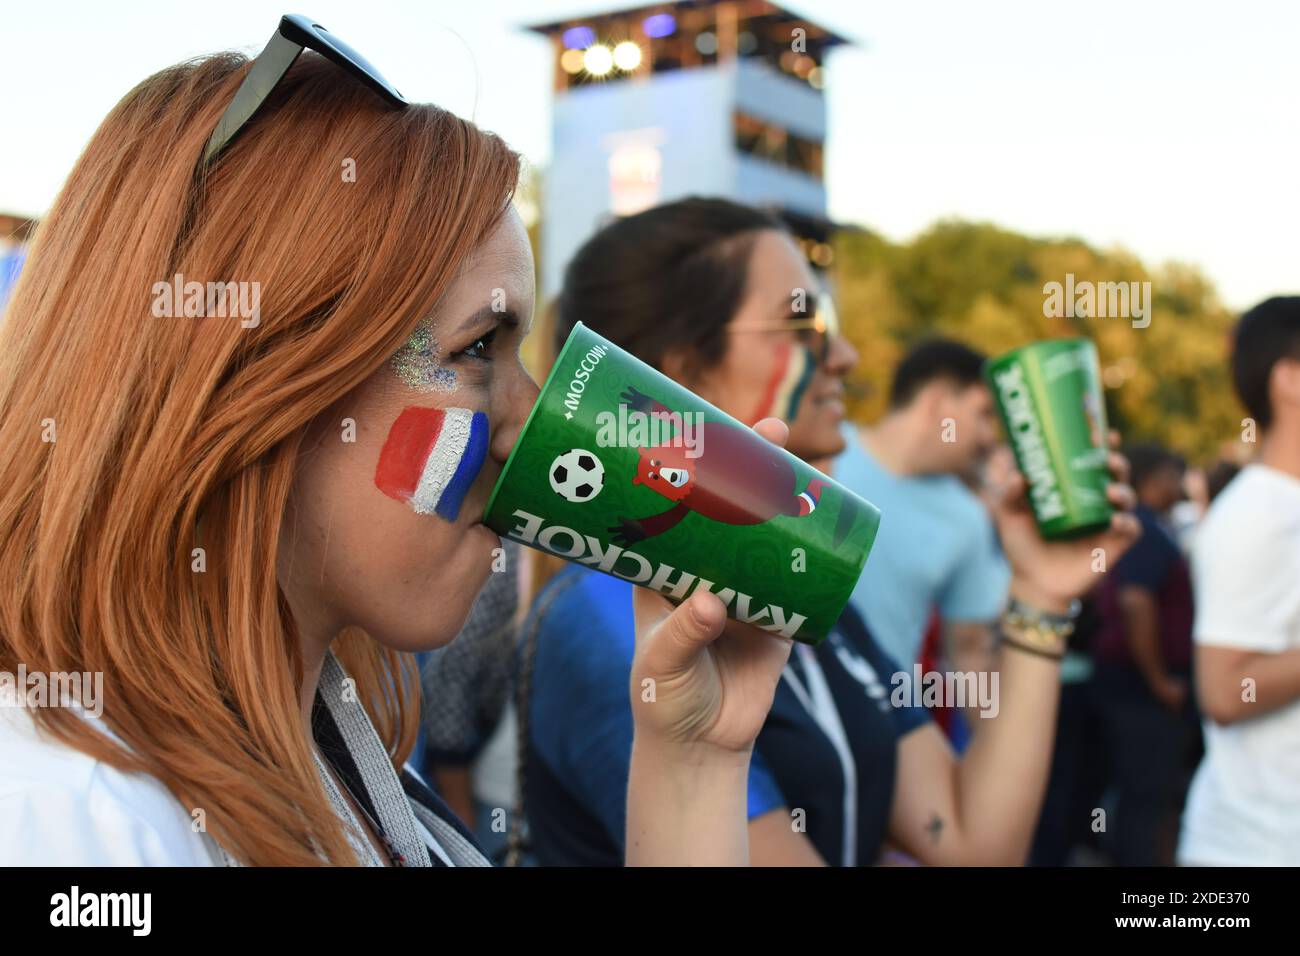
482	345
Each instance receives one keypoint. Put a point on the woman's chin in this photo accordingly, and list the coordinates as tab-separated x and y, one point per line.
419	642
450	607
822	444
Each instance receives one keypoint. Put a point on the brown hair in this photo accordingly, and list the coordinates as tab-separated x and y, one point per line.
172	434
667	279
664	280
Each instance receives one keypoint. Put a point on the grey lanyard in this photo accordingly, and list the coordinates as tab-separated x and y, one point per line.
396	823
818	701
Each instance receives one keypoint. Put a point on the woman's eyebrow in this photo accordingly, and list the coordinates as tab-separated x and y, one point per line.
488	315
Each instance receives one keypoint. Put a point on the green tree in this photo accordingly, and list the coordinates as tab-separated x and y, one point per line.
984	285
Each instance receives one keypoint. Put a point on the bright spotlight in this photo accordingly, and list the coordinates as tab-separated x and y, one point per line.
598	60
627	56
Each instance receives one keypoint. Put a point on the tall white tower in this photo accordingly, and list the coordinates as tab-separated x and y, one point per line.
677	99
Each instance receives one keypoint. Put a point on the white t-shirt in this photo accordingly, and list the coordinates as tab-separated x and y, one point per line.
61	807
1244	804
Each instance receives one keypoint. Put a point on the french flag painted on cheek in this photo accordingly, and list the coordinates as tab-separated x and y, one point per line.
431	458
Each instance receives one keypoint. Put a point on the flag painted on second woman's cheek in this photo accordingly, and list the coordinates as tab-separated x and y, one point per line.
791	373
431	458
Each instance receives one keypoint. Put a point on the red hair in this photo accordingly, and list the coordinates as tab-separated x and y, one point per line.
173	434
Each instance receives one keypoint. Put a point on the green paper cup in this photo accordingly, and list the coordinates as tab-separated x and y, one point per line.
1050	399
620	469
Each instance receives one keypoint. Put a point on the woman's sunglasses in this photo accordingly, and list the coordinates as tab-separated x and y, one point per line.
294	34
814	332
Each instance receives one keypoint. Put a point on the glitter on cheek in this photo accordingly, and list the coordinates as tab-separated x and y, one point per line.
418	365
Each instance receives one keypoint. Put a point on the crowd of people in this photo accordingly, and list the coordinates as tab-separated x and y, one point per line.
876	782
300	669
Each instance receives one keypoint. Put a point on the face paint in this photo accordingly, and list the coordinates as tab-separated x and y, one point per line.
431	458
785	387
417	363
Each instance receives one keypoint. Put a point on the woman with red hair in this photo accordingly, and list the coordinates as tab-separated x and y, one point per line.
256	382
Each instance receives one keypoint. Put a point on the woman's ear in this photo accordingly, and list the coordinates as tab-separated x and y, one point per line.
934	398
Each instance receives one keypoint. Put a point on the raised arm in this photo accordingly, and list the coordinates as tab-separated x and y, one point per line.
982	810
698	702
700	693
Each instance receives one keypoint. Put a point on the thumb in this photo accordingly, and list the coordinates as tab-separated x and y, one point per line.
671	638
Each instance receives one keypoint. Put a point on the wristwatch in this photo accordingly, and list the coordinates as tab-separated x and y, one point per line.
1029	629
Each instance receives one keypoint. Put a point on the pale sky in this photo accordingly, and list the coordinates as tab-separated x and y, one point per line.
1169	127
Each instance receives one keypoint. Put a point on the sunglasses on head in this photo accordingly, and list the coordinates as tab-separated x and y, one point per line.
294	34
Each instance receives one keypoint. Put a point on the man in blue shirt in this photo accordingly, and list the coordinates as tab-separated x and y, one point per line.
936	547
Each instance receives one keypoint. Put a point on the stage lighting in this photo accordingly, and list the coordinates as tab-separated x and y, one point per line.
598	60
571	61
659	25
578	38
627	56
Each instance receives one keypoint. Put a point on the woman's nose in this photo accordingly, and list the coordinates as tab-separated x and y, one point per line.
506	426
842	356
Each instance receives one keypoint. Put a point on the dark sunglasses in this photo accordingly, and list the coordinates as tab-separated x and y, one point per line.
294	34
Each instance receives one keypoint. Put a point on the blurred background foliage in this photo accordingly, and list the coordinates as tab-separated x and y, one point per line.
983	285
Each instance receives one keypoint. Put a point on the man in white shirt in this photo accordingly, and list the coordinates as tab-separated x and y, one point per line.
1244	804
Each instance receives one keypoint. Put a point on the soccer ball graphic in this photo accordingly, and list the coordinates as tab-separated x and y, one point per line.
577	475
